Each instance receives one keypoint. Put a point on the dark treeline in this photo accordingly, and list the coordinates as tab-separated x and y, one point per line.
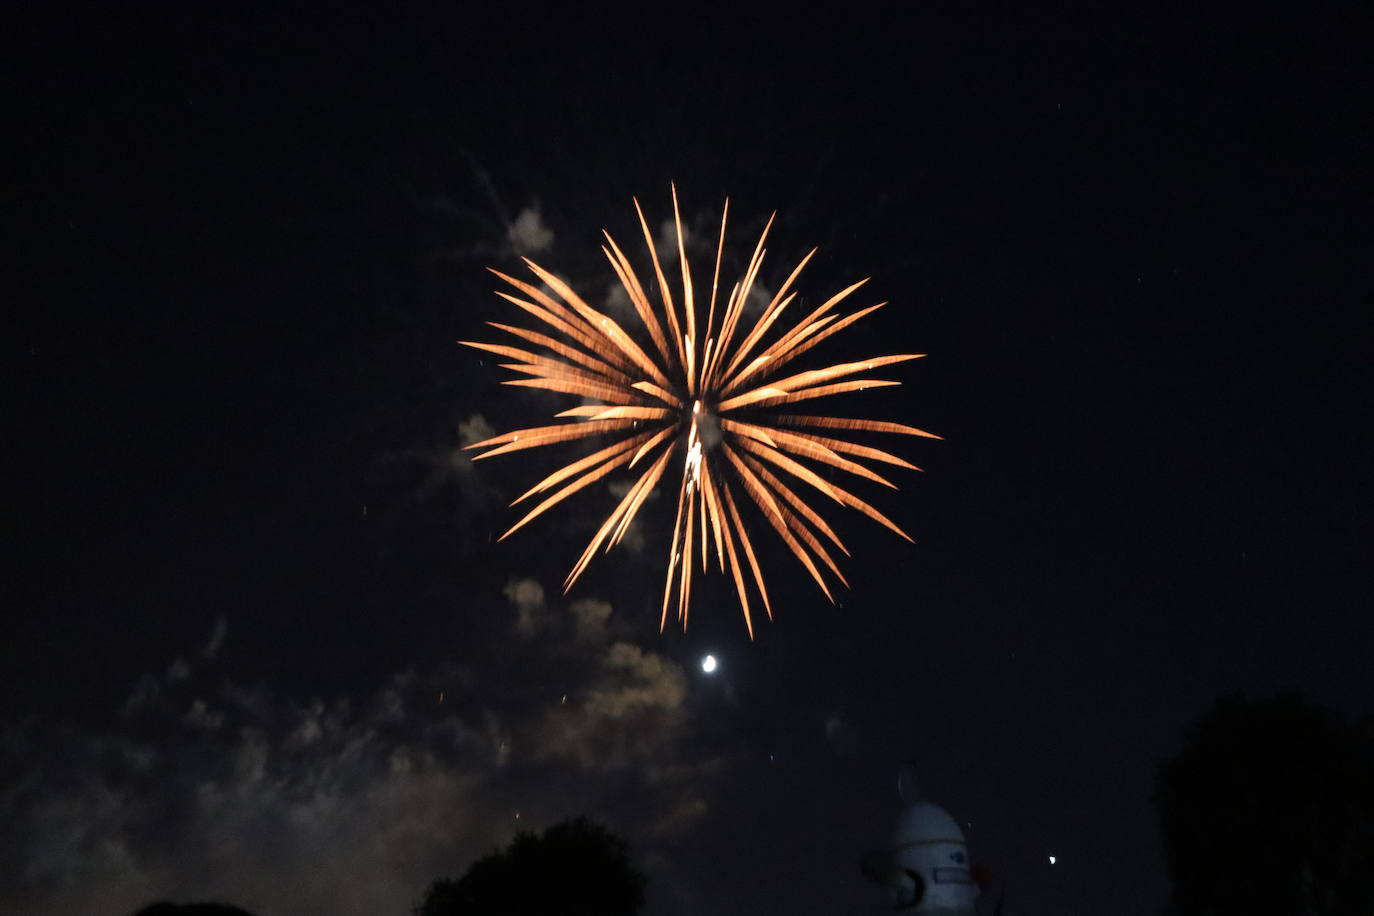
1266	808
191	909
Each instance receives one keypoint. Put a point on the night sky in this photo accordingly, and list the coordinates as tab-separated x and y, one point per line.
261	644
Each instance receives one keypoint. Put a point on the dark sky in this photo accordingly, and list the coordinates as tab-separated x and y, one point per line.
261	644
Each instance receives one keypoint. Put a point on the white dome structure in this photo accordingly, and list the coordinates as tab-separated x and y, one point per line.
925	867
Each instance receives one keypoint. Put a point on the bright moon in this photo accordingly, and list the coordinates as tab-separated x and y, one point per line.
708	664
1051	860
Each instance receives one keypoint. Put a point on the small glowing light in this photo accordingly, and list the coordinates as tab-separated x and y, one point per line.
1051	860
708	664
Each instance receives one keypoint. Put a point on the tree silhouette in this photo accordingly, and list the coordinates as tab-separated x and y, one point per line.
575	868
1268	808
191	909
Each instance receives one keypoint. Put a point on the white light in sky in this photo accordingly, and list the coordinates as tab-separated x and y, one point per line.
1051	860
708	664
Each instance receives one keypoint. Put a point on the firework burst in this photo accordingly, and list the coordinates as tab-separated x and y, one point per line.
707	393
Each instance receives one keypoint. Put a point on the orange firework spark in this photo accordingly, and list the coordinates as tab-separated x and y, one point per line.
710	400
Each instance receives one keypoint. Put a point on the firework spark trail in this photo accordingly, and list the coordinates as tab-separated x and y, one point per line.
658	399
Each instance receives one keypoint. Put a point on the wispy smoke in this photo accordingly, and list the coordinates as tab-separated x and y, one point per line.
528	234
206	788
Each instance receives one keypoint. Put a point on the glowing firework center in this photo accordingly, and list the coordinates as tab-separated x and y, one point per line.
645	396
693	468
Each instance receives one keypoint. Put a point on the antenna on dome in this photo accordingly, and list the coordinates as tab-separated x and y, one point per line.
908	784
